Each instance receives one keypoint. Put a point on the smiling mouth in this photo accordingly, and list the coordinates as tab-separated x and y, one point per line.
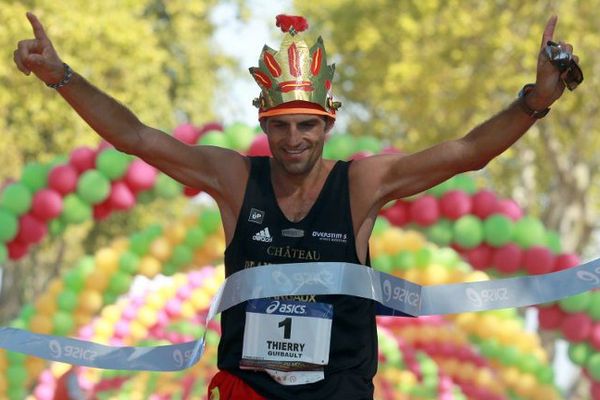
294	152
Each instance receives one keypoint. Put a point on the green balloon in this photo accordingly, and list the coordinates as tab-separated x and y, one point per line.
35	176
441	232
63	323
146	197
16	392
446	256
167	187
240	136
553	242
510	355
56	227
439	190
195	238
405	260
182	255
119	283
383	263
339	147
75	210
9	226
498	230
528	364
169	269
214	138
577	303
16	375
210	220
580	352
529	231
109	298
67	300
27	312
112	163
593	366
465	182
423	257
381	225
129	262
85	264
369	144
16	198
468	231
139	244
93	187
490	348
75	279
545	374
15	358
594	306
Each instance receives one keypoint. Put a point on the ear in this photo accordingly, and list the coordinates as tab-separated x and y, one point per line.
329	122
263	124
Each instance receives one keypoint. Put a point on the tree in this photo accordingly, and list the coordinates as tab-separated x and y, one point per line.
152	55
418	72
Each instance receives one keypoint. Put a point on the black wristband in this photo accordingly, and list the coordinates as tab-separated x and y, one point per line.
66	78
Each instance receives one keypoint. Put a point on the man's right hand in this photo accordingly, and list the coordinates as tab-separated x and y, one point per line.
38	55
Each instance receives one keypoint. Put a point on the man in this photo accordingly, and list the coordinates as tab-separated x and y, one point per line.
296	206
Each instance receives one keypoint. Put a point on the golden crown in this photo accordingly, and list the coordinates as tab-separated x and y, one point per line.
295	72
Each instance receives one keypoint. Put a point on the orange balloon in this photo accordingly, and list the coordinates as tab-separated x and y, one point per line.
46	304
41	323
149	266
176	233
161	249
90	301
107	259
97	280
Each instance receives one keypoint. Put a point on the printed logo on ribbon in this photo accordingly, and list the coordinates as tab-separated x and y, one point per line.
587	276
68	353
181	358
256	216
401	294
486	296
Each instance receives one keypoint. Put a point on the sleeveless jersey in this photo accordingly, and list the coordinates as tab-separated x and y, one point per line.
263	235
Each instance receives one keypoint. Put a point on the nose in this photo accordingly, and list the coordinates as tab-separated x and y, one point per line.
294	136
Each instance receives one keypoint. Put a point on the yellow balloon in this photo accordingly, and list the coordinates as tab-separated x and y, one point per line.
147	316
391	241
82	318
149	266
55	287
107	259
111	313
435	274
176	233
525	385
90	301
137	331
187	310
97	280
120	244
41	323
161	249
200	299
413	240
104	329
35	365
477	276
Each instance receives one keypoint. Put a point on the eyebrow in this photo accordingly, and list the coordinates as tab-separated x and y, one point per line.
309	119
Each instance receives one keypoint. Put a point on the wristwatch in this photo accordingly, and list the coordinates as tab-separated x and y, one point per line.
537	114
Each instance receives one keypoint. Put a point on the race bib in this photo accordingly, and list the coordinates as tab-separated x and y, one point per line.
288	339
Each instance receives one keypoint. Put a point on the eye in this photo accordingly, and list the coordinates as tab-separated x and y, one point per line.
307	125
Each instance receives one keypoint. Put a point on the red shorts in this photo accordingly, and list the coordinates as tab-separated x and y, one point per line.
225	386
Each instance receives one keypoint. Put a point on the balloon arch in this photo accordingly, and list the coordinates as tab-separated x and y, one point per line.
154	287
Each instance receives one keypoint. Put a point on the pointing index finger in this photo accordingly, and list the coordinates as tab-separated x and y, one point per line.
549	30
38	29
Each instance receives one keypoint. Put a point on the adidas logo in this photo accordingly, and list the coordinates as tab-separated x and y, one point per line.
263	236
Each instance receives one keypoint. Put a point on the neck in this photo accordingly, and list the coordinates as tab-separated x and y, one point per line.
286	182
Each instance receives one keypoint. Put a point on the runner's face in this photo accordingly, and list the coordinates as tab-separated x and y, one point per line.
296	140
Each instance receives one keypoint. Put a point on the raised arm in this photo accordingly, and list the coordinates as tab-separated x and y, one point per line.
218	171
388	177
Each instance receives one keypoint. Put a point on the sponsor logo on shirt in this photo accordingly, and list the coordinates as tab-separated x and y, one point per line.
256	216
292	232
263	236
331	236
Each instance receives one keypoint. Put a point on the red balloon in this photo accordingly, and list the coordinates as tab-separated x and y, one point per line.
424	211
510	209
485	203
538	260
63	179
187	133
211	126
507	259
397	215
140	175
550	317
102	210
595	336
31	230
190	191
47	204
479	257
454	204
595	390
566	260
576	327
260	146
83	158
121	197
16	249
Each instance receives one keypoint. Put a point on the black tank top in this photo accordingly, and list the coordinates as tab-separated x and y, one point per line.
263	235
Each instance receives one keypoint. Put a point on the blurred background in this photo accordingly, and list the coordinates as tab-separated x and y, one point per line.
92	240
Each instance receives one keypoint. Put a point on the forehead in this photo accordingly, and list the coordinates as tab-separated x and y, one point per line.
294	118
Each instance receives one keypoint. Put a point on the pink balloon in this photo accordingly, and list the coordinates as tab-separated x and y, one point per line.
44	392
510	208
63	179
538	260
31	230
187	133
507	259
260	146
480	257
211	126
566	260
424	211
390	150
120	197
173	308
595	390
121	329
485	203
576	327
360	155
454	204
140	175
103	145
47	204
550	317
83	158
397	214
